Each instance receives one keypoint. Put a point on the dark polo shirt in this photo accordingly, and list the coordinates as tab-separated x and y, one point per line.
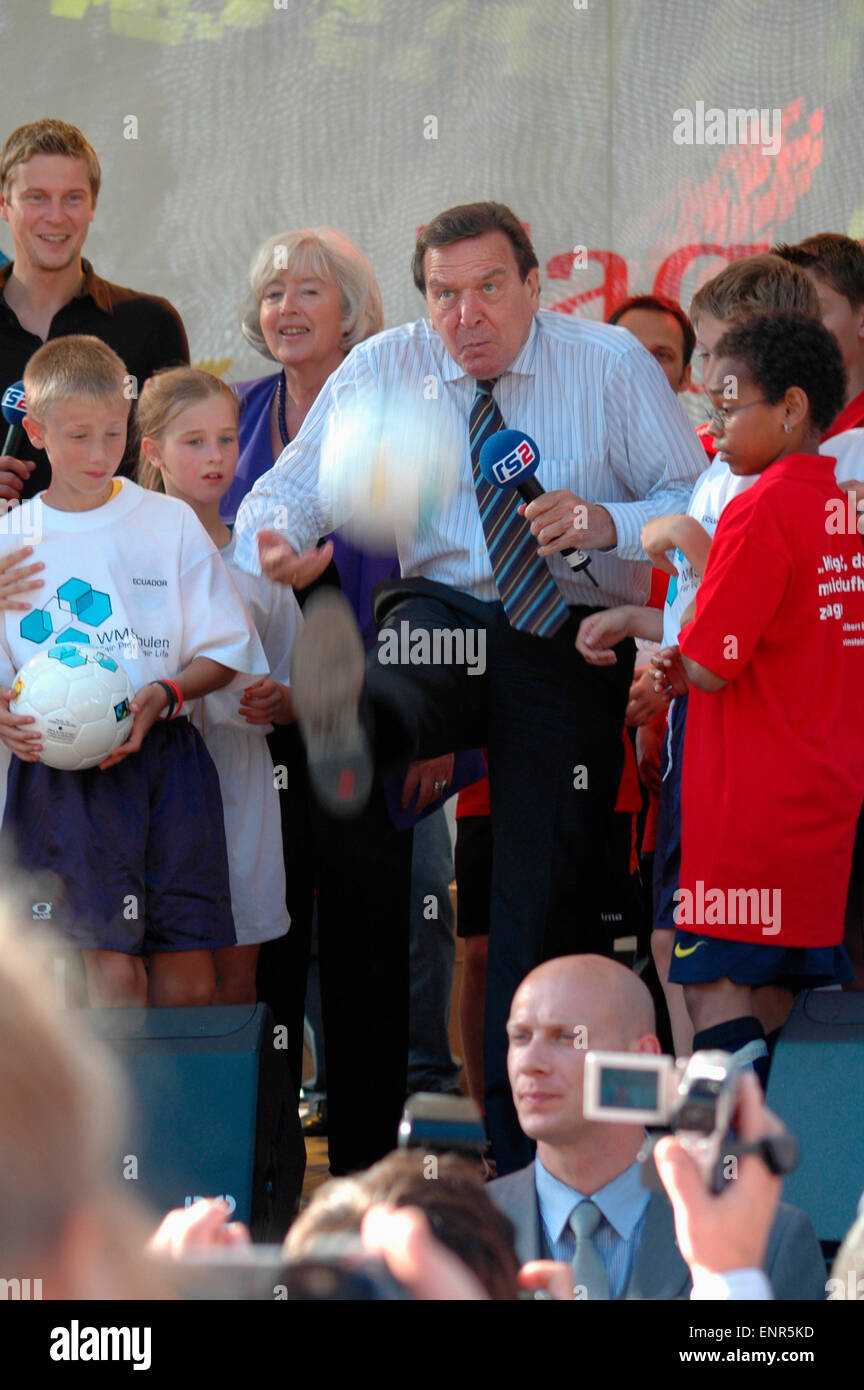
144	330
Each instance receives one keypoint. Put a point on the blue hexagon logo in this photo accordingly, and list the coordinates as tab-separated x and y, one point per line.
74	595
71	634
68	656
36	626
97	610
89	605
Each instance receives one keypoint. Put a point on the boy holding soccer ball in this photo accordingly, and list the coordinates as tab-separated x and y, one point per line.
137	842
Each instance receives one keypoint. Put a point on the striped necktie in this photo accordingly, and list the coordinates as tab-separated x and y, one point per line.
528	591
588	1269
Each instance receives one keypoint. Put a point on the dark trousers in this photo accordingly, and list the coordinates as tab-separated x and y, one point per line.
551	725
363	878
361	872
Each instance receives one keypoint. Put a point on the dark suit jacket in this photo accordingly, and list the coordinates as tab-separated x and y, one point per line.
793	1260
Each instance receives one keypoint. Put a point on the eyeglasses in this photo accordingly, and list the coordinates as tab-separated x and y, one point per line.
722	416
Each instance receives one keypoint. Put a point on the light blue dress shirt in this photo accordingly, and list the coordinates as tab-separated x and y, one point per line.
623	1202
607	424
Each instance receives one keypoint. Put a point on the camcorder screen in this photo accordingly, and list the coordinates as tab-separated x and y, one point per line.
623	1089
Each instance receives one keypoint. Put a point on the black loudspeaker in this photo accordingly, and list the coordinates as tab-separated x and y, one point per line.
213	1110
816	1085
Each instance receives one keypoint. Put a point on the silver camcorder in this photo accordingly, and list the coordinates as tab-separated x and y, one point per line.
695	1097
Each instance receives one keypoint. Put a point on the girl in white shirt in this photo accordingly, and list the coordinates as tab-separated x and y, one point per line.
187	420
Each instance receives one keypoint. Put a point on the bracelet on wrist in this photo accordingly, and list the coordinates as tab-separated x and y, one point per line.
175	699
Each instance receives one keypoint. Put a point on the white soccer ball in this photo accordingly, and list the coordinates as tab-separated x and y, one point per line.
80	701
389	464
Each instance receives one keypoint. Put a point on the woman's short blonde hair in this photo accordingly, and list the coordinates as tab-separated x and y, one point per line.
324	252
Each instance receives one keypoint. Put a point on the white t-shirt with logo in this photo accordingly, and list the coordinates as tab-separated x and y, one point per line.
710	495
137	578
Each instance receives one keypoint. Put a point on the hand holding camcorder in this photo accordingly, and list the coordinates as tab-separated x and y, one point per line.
695	1098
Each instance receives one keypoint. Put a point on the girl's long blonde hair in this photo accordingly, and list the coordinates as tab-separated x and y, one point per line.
164	396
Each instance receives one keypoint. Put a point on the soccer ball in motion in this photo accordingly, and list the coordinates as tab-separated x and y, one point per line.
80	701
389	464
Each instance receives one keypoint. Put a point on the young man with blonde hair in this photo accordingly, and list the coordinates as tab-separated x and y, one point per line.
49	184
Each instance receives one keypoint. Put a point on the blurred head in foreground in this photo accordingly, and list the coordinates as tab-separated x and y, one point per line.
64	1219
448	1190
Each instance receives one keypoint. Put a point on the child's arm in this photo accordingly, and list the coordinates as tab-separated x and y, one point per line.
267	702
682	533
670	677
701	677
201	677
600	632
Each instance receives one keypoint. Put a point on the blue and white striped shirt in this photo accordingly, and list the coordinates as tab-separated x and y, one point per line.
607	424
624	1204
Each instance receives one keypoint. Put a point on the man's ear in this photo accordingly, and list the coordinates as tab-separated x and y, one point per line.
33	431
649	1043
532	280
686	378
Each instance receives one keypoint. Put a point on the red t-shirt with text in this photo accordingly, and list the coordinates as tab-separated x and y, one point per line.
773	771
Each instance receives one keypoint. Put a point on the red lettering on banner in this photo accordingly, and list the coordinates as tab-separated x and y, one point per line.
612	288
667	281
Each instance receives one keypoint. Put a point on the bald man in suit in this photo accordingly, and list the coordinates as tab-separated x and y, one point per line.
563	1008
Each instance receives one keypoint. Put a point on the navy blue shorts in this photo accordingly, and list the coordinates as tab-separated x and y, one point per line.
700	960
667	847
138	849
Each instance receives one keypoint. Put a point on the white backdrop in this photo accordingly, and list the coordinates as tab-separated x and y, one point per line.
254	116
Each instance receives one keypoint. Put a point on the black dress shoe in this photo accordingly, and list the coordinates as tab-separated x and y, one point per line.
314	1124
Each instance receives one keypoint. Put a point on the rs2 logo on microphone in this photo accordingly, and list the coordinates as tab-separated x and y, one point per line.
13	397
514	463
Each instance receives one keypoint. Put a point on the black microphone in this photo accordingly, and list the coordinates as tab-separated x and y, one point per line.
509	459
14	408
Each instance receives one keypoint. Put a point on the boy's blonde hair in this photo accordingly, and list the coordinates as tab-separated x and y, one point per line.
78	365
165	395
753	285
48	137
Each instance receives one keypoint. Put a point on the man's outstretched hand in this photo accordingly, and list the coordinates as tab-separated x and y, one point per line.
281	563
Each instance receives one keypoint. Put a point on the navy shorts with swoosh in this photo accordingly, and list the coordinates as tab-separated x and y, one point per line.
700	960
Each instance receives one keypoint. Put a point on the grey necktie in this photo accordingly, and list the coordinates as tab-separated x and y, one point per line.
589	1271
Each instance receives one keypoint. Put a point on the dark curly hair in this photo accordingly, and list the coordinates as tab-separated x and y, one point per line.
788	348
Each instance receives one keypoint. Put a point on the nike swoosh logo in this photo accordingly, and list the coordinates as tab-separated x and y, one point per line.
682	951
